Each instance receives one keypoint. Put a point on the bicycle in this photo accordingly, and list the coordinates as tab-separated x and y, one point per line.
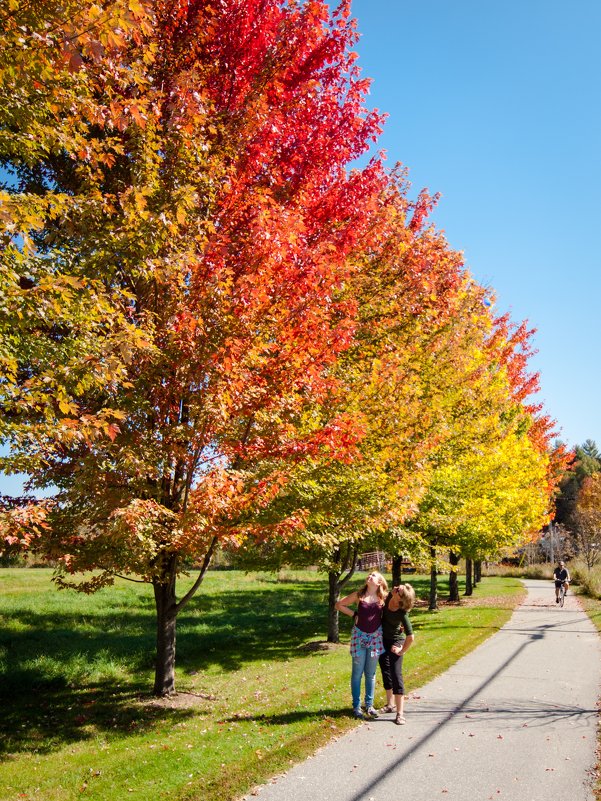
561	578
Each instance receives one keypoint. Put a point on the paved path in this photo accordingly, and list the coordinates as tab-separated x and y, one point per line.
514	720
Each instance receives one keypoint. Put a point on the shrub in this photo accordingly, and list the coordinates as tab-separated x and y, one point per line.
589	581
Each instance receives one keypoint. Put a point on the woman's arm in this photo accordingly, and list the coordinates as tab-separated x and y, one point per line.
407	643
343	604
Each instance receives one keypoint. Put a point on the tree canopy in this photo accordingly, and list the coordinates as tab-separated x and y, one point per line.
216	329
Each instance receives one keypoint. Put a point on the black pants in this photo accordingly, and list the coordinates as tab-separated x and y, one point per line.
391	666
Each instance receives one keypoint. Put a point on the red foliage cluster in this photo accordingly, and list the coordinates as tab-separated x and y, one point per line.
287	113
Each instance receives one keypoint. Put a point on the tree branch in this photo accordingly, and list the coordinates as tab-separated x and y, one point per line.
343	581
126	578
205	564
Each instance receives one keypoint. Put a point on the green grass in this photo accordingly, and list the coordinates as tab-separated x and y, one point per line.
258	687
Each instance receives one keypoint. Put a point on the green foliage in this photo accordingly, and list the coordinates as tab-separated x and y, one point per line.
589	450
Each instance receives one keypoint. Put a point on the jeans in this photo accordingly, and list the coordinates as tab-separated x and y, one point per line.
364	663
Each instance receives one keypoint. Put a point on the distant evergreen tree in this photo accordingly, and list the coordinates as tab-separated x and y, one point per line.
588	460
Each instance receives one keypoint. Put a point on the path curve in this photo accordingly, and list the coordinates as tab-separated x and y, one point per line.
514	720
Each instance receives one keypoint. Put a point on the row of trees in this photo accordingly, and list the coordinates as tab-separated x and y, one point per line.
214	332
578	506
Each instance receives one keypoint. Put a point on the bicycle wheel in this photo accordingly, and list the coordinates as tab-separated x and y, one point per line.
562	595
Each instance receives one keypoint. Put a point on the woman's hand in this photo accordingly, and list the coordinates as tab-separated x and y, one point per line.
342	605
396	649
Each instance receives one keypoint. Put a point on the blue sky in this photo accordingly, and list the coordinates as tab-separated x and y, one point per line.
497	107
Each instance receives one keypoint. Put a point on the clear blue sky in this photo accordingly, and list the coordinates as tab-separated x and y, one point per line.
497	106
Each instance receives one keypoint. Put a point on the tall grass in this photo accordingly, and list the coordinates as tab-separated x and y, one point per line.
536	571
588	580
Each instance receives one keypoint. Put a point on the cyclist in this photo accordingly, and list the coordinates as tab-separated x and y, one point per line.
561	576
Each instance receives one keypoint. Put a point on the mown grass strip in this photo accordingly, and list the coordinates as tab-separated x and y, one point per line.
258	687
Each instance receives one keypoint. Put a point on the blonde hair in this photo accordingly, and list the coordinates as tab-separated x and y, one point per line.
382	587
406	597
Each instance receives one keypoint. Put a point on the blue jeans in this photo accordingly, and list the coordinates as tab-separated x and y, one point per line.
363	663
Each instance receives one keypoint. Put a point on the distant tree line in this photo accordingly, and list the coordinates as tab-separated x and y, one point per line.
578	506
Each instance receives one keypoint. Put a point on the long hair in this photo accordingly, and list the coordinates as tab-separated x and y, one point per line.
382	591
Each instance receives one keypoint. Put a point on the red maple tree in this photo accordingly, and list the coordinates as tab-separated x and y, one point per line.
202	171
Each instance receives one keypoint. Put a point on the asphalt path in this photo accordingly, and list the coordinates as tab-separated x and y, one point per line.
513	720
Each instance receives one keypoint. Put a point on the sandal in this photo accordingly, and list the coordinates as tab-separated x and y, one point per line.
386	709
400	720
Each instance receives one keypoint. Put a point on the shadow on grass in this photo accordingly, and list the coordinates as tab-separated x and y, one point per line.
48	659
285	718
60	714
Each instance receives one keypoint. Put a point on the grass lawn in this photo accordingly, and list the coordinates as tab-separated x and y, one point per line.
258	688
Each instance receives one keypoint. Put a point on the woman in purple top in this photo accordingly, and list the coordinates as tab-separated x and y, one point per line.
366	639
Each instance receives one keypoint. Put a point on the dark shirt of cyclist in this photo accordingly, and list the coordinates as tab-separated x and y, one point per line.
561	576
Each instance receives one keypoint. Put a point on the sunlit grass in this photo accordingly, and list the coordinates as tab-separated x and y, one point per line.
259	688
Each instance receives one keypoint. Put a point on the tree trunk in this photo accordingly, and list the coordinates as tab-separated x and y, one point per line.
469	588
433	607
333	614
453	583
396	570
346	560
477	572
166	607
